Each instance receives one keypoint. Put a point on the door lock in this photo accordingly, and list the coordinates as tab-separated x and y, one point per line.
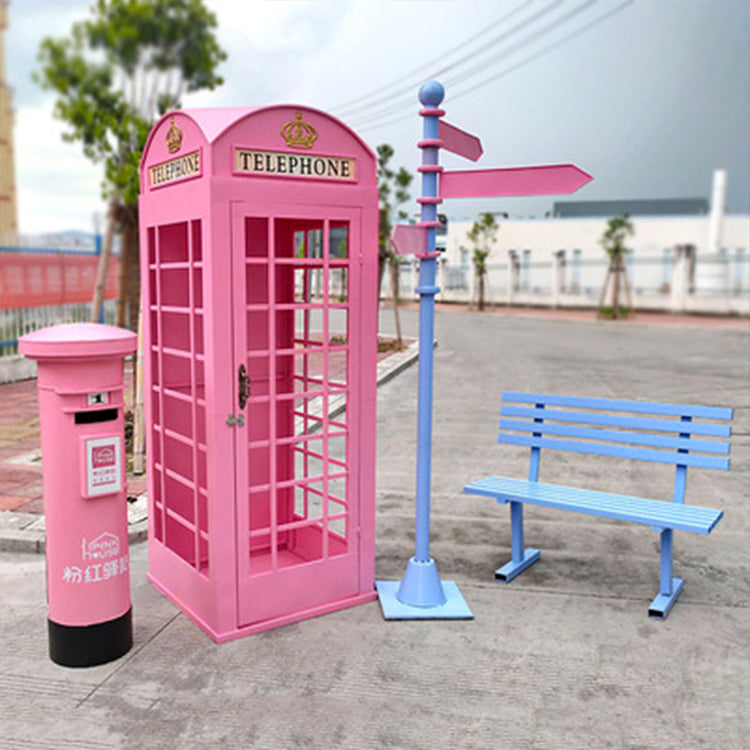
243	386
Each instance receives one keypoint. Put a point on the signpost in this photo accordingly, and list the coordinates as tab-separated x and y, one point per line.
421	594
483	183
459	142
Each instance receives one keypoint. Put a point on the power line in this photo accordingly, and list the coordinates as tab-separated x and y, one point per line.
370	125
407	89
547	49
345	106
530	39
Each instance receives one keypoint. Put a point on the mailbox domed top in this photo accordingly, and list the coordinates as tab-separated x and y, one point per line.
77	340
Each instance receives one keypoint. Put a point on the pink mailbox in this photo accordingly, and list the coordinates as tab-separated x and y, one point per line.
83	463
259	234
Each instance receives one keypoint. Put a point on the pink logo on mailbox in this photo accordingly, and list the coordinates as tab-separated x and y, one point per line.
104	546
103	455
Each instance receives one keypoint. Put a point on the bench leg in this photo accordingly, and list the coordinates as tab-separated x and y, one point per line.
670	587
521	558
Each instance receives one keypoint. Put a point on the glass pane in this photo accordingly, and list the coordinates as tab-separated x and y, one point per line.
339	241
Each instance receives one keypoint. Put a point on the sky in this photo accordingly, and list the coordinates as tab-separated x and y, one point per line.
648	96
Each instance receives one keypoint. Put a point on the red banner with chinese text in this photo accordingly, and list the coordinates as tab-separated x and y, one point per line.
38	279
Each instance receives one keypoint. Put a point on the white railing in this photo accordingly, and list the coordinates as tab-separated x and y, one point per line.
15	323
679	281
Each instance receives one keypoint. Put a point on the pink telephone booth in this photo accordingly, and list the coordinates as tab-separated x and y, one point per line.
259	232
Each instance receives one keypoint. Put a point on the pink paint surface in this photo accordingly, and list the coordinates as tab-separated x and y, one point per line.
259	278
459	142
483	183
88	579
409	239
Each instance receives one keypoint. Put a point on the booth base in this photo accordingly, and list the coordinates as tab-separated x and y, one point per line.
90	645
269	624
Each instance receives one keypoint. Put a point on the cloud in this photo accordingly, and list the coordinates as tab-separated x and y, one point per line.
650	102
58	187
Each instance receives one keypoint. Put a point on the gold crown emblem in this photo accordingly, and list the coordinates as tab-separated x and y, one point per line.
299	134
174	137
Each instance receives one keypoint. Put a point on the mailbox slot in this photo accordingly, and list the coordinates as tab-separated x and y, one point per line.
99	415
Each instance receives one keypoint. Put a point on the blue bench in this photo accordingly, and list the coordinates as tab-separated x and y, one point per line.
664	433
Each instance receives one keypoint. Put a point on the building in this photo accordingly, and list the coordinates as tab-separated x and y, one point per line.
687	255
8	211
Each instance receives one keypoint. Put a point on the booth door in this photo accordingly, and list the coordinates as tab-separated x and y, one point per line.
296	289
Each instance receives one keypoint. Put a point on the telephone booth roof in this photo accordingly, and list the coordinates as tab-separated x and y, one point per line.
283	141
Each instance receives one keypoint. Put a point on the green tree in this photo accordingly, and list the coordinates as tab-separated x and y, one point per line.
482	235
394	193
619	228
114	74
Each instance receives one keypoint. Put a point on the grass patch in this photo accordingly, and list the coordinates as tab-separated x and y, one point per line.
611	313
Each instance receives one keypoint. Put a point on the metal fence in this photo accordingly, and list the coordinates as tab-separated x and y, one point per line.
40	287
718	283
15	323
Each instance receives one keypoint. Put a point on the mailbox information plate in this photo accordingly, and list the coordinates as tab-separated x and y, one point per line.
103	467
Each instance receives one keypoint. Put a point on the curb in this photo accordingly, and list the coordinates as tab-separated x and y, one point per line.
25	532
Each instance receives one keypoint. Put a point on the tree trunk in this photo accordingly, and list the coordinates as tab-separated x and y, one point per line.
128	301
123	291
616	290
395	293
481	290
103	267
139	430
605	286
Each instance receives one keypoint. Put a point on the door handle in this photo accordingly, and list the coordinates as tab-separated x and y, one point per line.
243	386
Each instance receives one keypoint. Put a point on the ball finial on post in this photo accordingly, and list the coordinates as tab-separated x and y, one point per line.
431	93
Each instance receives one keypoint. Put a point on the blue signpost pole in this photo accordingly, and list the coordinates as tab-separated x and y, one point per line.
421	594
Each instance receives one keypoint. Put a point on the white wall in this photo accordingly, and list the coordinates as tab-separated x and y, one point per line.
653	234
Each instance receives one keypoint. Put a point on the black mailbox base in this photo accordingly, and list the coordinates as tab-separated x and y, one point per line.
89	645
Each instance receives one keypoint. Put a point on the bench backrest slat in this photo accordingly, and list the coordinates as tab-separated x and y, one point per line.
603	449
616	436
610	404
616	420
586	425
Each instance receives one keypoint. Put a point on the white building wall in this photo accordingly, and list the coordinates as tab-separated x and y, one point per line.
653	234
560	262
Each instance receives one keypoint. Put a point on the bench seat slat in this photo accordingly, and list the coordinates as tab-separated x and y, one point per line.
656	513
613	420
636	407
602	449
616	436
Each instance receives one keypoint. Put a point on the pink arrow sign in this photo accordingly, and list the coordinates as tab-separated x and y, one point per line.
409	239
485	183
459	142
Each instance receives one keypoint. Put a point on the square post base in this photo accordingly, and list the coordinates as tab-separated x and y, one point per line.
661	605
455	607
511	569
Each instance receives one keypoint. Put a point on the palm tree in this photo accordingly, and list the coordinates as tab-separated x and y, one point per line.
481	235
613	242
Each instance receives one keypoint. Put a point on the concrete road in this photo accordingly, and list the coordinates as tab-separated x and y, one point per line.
563	657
